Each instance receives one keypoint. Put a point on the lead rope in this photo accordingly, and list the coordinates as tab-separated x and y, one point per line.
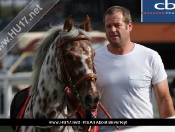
107	114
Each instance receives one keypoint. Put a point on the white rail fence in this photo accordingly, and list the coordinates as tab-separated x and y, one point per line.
6	82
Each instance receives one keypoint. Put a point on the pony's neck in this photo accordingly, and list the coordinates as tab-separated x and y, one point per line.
50	95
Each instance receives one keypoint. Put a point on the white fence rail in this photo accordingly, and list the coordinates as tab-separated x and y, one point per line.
6	82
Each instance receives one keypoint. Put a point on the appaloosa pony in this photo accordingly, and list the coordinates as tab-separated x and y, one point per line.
64	78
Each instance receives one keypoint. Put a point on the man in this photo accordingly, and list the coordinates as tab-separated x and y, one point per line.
128	72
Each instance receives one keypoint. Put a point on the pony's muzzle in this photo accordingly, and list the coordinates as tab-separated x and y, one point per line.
91	101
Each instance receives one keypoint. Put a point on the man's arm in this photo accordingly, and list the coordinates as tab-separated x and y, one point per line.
164	100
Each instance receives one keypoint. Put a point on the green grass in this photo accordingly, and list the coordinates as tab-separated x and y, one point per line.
5	129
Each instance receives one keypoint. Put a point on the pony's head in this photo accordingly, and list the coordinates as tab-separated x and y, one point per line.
77	64
65	58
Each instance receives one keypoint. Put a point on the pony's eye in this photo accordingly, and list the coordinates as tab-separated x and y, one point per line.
69	57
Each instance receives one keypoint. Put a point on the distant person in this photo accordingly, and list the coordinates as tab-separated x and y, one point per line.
128	72
2	70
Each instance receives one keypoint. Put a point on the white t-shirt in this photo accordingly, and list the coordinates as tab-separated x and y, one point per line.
125	82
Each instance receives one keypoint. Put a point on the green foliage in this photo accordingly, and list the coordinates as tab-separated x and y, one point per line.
8	13
5	129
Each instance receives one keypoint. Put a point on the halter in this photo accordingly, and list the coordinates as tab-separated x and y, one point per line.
64	69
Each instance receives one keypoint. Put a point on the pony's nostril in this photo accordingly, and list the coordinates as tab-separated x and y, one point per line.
88	98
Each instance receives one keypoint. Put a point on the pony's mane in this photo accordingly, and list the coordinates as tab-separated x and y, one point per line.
43	46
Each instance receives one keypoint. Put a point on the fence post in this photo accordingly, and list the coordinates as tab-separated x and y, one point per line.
7	96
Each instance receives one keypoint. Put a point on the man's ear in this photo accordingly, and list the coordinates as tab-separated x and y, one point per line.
130	26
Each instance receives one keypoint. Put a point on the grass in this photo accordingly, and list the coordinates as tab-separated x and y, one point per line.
6	129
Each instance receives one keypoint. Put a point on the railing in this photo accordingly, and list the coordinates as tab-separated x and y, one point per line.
6	82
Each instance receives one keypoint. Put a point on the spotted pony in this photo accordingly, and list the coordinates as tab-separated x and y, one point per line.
64	79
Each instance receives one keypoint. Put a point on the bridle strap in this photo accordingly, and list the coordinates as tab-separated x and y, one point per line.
68	80
64	69
80	37
89	76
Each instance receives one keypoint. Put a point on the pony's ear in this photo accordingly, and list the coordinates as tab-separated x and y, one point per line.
86	24
68	24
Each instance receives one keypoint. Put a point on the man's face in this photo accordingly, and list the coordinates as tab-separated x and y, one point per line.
117	31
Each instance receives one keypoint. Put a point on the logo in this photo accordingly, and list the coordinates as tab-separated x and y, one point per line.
163	6
157	10
22	23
